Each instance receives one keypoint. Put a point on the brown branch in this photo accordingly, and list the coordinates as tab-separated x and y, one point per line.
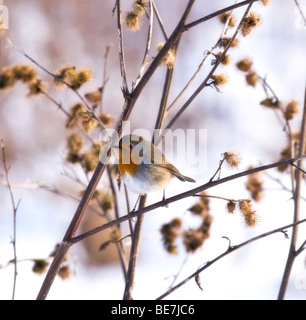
128	106
296	197
181	196
228	251
205	82
15	208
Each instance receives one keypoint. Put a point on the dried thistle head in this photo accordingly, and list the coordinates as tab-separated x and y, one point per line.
169	232
193	240
266	2
231	206
7	79
225	16
219	79
169	58
251	219
62	74
64	272
23	72
254	185
291	109
270	103
252	78
132	21
226	59
226	40
232	159
40	266
94	97
139	7
249	22
244	65
245	206
106	118
36	87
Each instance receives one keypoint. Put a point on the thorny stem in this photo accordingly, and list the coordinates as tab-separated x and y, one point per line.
296	197
229	250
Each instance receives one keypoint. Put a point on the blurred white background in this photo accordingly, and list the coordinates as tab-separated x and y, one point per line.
77	32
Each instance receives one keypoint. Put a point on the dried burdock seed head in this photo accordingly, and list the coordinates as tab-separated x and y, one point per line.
89	161
244	65
219	79
270	103
245	206
169	58
106	118
197	208
266	2
225	16
291	109
223	42
132	21
94	97
251	219
104	199
64	272
252	78
231	206
139	7
40	266
75	142
254	185
62	74
232	159
169	232
249	22
226	59
192	240
23	72
7	79
36	87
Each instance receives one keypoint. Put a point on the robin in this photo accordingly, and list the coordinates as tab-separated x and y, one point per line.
143	167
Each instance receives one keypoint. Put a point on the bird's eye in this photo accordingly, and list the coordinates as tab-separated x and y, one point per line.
130	146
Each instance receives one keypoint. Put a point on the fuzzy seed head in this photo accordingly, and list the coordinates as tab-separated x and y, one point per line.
252	78
266	2
169	58
132	21
244	65
225	16
249	22
231	205
219	79
232	159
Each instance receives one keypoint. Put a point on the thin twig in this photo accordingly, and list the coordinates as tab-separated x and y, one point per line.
125	89
229	250
148	46
204	83
181	196
296	215
15	208
64	82
301	12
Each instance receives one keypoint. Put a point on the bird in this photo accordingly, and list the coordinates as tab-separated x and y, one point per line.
144	168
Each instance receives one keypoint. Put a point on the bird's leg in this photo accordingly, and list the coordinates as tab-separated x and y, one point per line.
165	204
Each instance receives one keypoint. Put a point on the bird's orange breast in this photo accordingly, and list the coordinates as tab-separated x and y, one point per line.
129	168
